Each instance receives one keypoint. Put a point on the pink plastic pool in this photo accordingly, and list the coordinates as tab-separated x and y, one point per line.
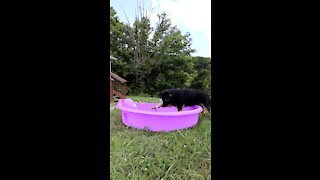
141	116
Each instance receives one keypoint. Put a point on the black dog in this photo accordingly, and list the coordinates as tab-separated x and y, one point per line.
184	97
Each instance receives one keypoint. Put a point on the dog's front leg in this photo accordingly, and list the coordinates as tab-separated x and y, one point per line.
180	107
157	106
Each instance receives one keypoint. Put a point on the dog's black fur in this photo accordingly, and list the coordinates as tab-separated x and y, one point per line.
185	97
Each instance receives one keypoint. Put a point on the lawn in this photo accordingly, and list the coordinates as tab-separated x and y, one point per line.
139	154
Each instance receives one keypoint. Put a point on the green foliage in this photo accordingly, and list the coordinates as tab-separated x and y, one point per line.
153	63
202	80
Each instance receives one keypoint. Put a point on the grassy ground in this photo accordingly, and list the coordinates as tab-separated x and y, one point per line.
138	154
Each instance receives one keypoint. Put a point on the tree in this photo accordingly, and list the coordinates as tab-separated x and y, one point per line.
151	63
120	44
202	79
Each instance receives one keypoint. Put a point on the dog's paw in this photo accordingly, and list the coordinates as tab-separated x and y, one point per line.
203	113
155	107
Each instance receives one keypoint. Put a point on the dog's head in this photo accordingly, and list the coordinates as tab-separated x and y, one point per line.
166	98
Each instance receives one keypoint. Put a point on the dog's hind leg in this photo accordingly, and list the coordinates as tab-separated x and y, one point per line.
208	105
203	110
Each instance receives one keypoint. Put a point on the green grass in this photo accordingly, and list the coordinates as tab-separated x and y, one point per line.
139	154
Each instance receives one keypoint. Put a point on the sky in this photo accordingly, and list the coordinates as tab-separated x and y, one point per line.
193	16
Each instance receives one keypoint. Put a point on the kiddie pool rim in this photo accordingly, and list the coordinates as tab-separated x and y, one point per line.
189	112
